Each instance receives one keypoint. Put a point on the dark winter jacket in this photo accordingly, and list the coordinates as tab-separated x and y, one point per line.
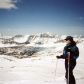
73	49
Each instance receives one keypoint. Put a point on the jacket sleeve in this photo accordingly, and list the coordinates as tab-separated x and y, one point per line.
64	55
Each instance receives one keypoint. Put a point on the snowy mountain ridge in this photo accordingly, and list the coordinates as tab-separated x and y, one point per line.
40	38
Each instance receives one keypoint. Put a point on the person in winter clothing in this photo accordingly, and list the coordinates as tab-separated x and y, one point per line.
74	54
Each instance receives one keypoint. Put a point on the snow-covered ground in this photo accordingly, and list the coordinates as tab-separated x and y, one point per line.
41	68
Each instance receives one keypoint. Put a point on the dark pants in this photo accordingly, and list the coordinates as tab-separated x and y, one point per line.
72	65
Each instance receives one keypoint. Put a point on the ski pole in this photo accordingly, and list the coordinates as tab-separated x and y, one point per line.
68	66
56	68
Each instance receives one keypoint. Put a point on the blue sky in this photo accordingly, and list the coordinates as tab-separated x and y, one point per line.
36	16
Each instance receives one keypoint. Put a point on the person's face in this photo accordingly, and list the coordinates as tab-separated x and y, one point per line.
67	41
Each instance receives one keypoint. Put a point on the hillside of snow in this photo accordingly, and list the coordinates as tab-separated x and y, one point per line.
31	59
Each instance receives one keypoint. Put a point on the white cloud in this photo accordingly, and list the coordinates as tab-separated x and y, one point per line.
8	4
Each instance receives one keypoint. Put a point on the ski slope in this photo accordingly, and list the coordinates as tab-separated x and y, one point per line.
42	68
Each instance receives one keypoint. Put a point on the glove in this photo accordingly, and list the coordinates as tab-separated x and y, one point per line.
58	57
